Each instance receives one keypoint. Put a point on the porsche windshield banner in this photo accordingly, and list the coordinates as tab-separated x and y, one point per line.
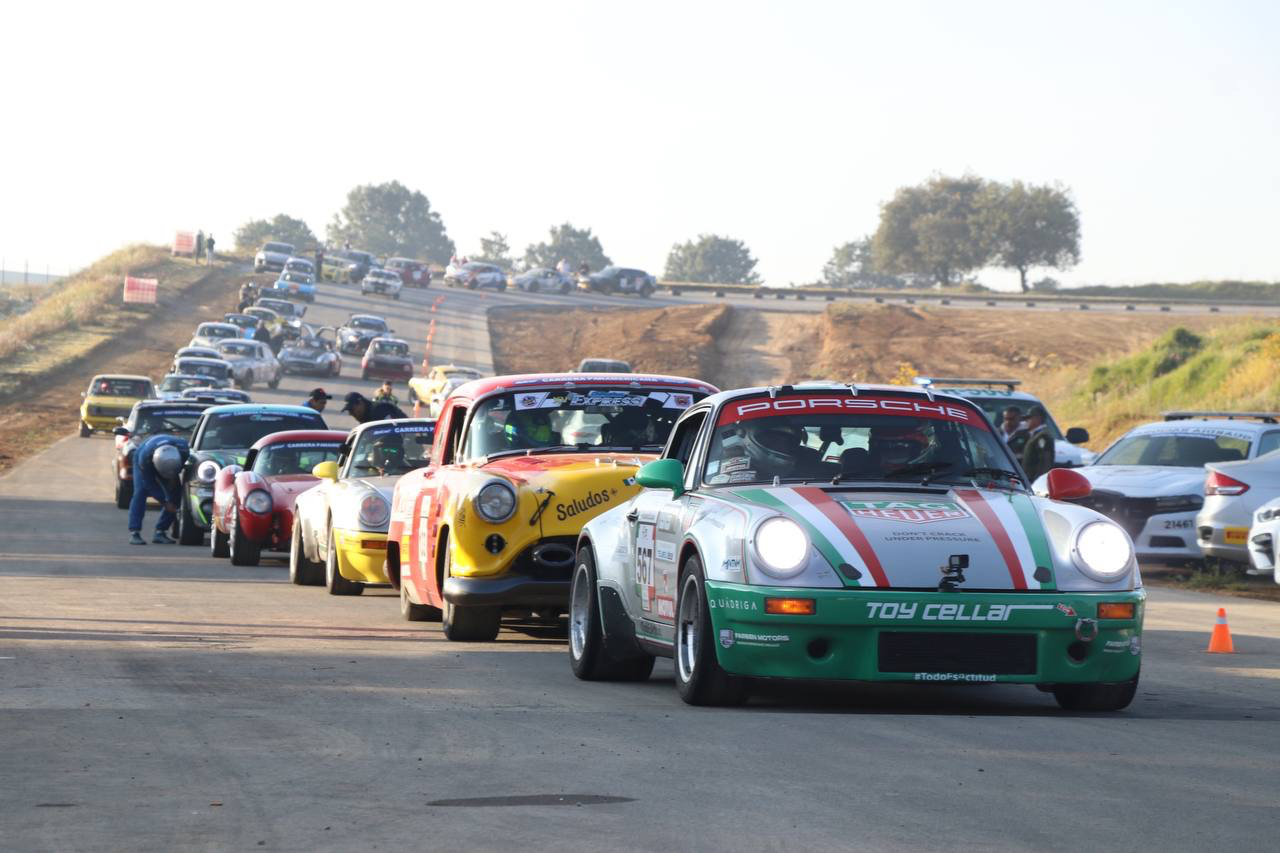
764	407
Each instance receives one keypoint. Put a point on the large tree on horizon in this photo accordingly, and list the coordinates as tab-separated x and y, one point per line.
390	219
1031	226
281	227
935	229
712	259
575	245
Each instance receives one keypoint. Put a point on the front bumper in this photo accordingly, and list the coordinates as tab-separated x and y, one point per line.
1025	638
305	367
362	554
1168	537
1224	533
389	371
508	590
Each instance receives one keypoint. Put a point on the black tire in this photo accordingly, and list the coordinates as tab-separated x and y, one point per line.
124	493
333	579
85	432
588	658
416	612
469	624
396	297
246	383
364	374
274	383
241	550
218	544
699	677
189	533
1096	697
302	572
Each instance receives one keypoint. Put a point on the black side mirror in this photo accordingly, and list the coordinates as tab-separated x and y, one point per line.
1077	435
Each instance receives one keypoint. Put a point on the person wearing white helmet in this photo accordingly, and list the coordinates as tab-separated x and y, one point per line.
157	466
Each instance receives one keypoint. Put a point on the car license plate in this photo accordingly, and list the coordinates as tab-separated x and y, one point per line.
1235	535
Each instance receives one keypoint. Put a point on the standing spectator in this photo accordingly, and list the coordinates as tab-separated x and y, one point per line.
1013	430
319	263
584	268
364	411
208	244
318	399
157	464
1037	456
386	394
199	245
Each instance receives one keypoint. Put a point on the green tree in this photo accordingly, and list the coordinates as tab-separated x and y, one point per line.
281	227
1031	226
852	265
495	249
712	259
576	245
935	229
390	219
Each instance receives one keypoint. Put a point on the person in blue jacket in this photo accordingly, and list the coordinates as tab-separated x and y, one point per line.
157	464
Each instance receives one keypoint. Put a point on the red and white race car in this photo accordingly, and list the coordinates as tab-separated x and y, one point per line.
412	273
253	505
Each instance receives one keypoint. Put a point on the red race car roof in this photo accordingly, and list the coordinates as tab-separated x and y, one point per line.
300	435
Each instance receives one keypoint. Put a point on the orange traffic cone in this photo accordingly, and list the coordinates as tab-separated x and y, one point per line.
1220	640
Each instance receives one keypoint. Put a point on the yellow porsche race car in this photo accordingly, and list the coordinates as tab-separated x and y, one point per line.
111	396
428	393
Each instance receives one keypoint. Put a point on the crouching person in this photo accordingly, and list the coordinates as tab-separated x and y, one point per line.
157	465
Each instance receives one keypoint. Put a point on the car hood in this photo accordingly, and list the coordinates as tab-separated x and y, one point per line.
382	485
285	488
112	402
901	539
546	469
299	352
1144	481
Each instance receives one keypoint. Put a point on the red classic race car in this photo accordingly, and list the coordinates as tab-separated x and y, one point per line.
253	505
519	464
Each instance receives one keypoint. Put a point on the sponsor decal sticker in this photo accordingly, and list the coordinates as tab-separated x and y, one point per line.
732	604
1066	609
665	551
666	607
1235	535
937	612
740	410
577	506
955	676
726	637
764	641
644	564
911	512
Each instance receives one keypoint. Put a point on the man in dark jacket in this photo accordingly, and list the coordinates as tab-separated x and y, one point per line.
157	464
1038	453
318	399
364	411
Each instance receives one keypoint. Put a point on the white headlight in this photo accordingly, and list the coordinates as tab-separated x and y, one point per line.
781	546
1103	551
374	511
258	501
495	502
207	471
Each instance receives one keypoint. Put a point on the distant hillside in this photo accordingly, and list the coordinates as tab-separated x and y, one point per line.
1244	291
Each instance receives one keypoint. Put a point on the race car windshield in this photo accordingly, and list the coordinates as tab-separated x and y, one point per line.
120	388
864	438
234	430
244	321
393	449
278	248
264	314
294	457
1182	450
237	349
281	308
216	371
387	348
216	332
182	383
368	324
175	421
589	418
298	277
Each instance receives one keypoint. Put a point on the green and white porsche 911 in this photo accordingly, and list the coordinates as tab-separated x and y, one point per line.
862	533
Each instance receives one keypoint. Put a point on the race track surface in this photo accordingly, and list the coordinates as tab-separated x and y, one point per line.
157	699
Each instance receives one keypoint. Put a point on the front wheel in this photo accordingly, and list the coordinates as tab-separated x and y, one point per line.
275	382
468	624
218	543
415	612
188	532
85	432
700	679
243	551
1096	697
588	656
124	493
334	581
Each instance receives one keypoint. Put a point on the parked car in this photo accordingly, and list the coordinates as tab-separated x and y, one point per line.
221	437
475	275
603	365
993	396
434	388
387	358
1263	538
340	525
253	502
615	279
294	285
148	418
542	280
384	282
111	396
251	362
272	256
173	385
355	334
412	273
1235	488
313	353
209	334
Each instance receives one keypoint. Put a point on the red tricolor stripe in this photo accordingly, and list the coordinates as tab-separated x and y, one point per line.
844	522
978	506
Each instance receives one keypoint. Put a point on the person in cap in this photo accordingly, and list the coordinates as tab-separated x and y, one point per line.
157	464
386	394
318	399
364	410
1038	453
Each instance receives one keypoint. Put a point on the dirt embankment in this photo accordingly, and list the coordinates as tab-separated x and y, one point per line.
45	407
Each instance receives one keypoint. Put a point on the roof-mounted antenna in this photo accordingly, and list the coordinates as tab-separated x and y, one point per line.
773	392
853	388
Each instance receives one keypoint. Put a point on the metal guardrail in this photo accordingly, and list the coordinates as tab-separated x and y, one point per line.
830	294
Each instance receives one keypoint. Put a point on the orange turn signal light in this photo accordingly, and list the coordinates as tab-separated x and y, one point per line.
790	606
1115	610
373	544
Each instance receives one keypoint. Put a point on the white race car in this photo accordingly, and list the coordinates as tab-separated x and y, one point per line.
1151	480
1263	537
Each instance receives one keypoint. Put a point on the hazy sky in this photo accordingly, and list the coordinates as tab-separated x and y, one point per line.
782	124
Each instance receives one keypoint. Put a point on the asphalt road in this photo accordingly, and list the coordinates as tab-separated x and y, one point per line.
156	699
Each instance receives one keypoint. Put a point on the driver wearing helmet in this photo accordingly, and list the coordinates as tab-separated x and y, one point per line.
387	453
630	427
893	448
529	428
772	448
157	466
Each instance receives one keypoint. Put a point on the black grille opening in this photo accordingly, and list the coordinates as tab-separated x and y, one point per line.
1168	542
963	654
1129	513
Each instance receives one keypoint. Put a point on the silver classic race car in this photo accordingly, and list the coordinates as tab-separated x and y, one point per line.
871	533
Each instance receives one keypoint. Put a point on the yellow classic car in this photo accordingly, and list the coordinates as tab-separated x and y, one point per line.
111	396
520	463
428	393
270	319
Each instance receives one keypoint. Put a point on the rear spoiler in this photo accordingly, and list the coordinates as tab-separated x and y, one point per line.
1265	417
954	381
